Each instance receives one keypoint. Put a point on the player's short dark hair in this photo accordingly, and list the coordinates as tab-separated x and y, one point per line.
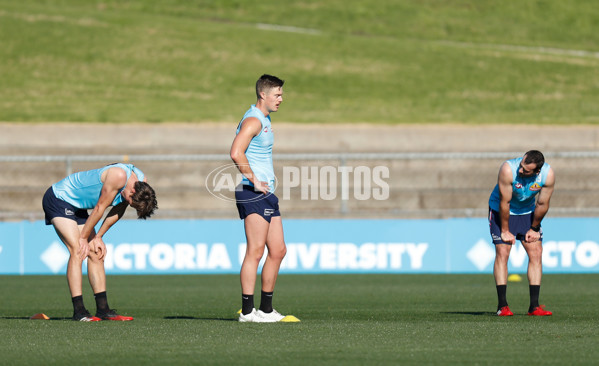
144	200
267	82
536	157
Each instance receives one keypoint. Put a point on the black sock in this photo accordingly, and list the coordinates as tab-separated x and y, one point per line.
501	298
101	301
247	304
78	304
534	296
266	302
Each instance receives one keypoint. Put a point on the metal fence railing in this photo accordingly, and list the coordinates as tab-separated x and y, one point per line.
68	160
420	184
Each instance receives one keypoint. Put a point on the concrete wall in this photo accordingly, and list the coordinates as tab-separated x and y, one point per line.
418	188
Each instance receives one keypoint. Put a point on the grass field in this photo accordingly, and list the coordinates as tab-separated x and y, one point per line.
346	320
344	60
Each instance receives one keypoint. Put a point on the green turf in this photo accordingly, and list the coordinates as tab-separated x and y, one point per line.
346	319
346	61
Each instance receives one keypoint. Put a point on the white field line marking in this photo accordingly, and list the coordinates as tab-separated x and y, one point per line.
507	47
289	29
502	47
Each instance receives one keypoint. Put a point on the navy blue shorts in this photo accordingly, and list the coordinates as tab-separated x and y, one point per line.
250	201
519	226
54	207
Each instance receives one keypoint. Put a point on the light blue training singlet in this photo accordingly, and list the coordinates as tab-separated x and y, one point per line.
259	151
524	189
83	189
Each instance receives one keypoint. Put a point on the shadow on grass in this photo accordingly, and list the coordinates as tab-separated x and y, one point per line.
477	313
184	317
27	318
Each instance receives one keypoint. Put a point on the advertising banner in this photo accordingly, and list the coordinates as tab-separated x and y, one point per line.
313	246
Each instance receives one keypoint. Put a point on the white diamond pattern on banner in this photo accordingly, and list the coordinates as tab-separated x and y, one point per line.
55	257
481	254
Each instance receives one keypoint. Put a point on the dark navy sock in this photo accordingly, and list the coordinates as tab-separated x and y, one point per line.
534	296
101	302
78	304
247	304
501	296
266	302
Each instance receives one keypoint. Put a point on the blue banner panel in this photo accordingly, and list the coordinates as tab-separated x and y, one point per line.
364	246
313	246
571	245
11	245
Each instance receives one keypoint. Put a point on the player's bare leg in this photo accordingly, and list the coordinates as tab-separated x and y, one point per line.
535	266
256	232
97	279
502	254
95	269
535	272
500	272
68	232
276	252
275	243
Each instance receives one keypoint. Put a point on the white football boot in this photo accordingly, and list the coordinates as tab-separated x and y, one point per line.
248	318
271	317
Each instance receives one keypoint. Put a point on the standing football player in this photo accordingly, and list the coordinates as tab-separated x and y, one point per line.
256	203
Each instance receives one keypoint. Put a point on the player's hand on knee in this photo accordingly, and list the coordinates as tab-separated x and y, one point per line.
532	236
83	248
99	247
508	237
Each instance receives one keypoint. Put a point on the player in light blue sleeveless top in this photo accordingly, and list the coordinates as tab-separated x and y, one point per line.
82	189
259	151
256	203
65	206
524	189
517	205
